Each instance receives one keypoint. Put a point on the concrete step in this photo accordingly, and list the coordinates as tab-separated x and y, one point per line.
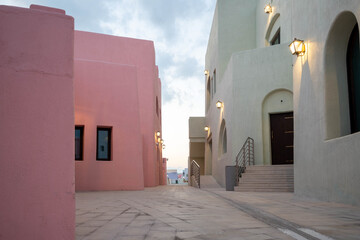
266	178
266	181
268	189
271	175
263	185
284	166
269	170
270	178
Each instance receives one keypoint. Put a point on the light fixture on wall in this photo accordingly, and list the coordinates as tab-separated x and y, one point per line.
268	8
206	72
297	47
162	141
163	146
159	140
158	133
206	128
219	104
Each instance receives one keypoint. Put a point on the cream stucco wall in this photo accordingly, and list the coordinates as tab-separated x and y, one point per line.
326	165
255	79
251	72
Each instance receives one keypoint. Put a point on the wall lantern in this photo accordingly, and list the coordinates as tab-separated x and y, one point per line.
164	146
159	140
206	128
297	47
206	72
162	141
158	133
219	104
268	8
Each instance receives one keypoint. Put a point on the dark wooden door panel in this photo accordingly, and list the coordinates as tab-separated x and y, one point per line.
282	138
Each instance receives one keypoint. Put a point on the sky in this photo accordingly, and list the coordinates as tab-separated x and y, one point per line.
180	31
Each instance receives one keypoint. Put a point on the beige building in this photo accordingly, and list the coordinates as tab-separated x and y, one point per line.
301	111
197	143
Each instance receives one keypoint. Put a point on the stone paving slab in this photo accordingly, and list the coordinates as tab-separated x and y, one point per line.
335	220
182	212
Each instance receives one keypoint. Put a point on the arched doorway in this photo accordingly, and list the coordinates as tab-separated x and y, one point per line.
277	121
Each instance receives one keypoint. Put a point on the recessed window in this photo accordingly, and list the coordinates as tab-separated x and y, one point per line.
103	145
79	142
276	39
214	81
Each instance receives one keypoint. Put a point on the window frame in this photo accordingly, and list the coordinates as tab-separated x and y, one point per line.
109	148
81	128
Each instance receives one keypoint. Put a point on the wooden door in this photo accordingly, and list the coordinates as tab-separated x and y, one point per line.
282	138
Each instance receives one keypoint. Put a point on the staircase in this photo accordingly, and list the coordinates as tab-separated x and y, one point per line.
267	178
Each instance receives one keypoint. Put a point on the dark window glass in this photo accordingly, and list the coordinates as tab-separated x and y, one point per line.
276	38
79	142
103	148
353	69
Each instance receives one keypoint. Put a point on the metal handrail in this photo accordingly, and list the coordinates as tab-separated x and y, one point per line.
195	174
245	157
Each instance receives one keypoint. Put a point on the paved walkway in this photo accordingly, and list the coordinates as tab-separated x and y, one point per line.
181	212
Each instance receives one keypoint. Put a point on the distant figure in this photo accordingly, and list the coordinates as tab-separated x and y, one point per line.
176	182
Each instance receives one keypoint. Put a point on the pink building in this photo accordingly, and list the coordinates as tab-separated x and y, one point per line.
117	113
44	67
36	124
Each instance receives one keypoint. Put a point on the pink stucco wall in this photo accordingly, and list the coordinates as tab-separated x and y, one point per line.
116	84
36	124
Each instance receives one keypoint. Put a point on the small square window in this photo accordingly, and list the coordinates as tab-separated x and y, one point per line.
103	144
79	142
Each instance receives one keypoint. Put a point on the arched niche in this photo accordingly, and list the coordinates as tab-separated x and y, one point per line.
222	149
337	108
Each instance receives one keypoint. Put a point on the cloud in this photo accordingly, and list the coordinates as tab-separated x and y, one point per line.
180	31
18	3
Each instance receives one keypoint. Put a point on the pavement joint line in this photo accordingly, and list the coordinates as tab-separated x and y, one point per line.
270	219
